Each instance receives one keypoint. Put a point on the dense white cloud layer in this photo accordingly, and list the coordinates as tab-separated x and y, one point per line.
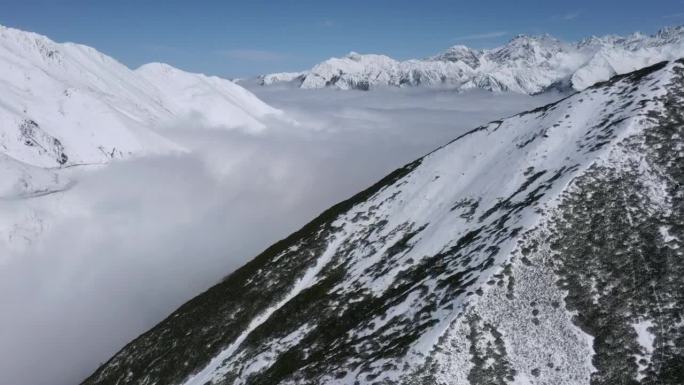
131	241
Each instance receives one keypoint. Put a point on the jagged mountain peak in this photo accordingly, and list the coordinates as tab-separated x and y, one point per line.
355	56
545	247
670	34
522	38
594	41
458	48
459	53
531	49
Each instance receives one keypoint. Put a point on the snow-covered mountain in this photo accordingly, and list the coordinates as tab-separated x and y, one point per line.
68	104
527	64
545	248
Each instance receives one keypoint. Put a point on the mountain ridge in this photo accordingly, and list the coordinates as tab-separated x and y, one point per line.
430	276
526	64
68	104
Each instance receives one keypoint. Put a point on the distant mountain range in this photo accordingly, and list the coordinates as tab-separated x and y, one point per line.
545	248
526	64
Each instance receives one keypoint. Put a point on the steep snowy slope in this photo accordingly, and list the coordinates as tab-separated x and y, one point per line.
68	104
527	64
543	248
215	102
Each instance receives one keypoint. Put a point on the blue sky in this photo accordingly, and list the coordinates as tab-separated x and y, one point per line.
241	38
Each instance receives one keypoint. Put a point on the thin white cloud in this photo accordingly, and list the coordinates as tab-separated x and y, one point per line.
568	16
482	36
571	15
253	55
674	15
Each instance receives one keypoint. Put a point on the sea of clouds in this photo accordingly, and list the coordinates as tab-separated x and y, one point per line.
130	242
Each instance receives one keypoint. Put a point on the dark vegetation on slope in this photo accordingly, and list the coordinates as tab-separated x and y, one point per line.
176	347
618	259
